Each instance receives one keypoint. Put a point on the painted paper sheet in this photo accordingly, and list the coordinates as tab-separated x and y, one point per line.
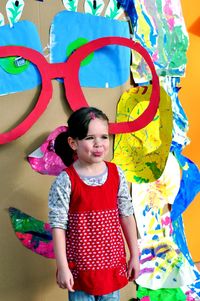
192	290
161	262
14	10
94	7
142	155
33	234
180	120
71	5
44	159
108	67
163	294
129	7
17	74
190	185
113	10
161	30
2	22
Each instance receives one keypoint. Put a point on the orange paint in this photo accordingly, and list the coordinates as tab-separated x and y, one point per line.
189	97
195	27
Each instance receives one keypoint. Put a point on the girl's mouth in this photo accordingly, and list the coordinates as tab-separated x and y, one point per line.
97	154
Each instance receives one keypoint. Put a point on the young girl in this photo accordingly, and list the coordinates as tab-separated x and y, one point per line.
89	203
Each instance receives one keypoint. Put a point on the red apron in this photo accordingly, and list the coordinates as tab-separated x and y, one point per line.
95	247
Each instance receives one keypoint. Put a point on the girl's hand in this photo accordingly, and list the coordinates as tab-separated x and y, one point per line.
133	268
65	279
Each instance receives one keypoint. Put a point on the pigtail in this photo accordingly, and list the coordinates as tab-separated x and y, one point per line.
62	148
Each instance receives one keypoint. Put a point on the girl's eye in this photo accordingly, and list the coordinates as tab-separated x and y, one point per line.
104	137
89	138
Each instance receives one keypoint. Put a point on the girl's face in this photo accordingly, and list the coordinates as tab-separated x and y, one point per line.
95	146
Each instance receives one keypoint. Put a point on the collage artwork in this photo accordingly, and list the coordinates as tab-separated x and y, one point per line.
149	150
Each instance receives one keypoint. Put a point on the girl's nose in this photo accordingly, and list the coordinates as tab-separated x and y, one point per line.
97	142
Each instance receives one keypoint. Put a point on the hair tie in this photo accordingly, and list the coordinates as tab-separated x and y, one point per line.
92	115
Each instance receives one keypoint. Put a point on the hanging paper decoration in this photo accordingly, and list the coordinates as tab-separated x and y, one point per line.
129	7
71	5
163	294
2	22
142	155
94	7
192	290
114	10
190	185
44	159
189	188
161	30
14	9
144	299
180	120
16	73
162	265
109	67
33	234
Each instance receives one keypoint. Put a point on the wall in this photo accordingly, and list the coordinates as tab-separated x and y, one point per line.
25	275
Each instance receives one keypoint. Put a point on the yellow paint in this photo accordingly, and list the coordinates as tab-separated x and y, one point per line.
143	154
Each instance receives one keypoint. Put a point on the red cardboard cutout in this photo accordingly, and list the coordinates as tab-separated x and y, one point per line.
74	95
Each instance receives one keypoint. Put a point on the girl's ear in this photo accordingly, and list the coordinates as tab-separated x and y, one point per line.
72	143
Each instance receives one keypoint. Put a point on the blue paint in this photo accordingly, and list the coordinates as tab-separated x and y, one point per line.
189	187
23	33
110	65
158	227
155	237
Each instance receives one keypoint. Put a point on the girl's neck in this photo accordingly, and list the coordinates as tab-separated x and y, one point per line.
87	170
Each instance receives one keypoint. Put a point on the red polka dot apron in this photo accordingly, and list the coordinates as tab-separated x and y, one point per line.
95	247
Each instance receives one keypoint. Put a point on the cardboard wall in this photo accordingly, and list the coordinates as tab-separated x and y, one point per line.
25	275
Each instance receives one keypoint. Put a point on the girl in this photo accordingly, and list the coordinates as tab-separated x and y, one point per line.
89	204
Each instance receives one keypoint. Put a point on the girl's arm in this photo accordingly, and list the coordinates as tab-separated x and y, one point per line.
59	196
128	225
64	275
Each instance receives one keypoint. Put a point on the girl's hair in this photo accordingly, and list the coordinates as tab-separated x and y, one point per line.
78	124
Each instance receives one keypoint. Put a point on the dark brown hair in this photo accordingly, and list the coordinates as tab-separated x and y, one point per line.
78	124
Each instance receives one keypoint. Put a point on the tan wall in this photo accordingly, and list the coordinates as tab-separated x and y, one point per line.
23	274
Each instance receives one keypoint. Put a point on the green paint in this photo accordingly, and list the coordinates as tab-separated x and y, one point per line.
179	45
8	65
156	118
75	45
72	5
94	10
113	12
118	141
140	180
24	223
15	11
154	169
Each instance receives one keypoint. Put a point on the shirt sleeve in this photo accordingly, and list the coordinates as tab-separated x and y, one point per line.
125	204
59	197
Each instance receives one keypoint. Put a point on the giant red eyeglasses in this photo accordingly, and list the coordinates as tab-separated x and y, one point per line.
69	71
